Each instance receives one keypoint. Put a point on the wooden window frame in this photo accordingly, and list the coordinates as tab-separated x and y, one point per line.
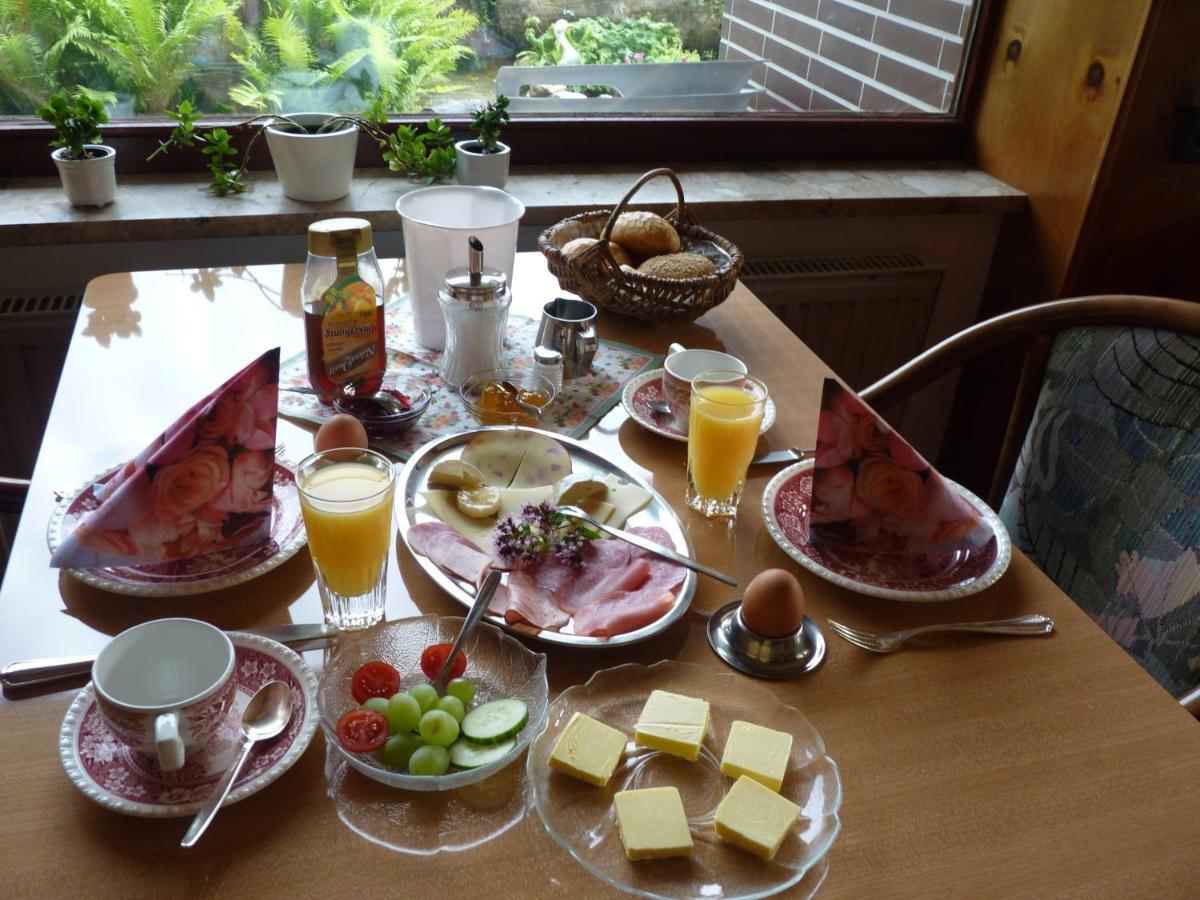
561	140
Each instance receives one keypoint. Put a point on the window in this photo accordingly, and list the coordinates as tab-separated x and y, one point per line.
671	62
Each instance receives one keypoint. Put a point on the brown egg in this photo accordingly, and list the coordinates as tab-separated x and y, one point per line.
340	431
773	603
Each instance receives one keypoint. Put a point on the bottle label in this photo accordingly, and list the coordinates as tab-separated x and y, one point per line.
349	330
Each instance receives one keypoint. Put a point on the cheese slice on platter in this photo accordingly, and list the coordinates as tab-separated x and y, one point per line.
600	510
545	462
626	499
497	455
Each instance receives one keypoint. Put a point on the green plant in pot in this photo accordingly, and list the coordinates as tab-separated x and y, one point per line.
86	166
484	160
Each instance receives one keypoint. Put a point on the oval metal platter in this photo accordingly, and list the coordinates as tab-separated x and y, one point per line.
414	478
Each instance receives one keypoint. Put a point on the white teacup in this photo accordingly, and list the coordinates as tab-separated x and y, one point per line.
165	686
681	367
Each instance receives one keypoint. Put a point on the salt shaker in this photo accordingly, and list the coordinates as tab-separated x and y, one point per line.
548	362
475	303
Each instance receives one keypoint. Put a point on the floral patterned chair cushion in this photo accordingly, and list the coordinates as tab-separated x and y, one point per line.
1106	493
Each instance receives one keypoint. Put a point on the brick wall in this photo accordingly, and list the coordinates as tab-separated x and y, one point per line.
886	56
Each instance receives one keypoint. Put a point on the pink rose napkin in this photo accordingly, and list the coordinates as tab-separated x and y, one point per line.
870	487
204	484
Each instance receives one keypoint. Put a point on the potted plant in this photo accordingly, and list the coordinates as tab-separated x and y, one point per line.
484	161
87	167
313	155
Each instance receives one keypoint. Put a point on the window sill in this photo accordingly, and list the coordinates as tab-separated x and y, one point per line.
34	211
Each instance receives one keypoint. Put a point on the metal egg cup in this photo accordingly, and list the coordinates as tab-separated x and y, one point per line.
764	657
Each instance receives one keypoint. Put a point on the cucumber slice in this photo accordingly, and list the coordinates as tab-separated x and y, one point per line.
467	755
495	721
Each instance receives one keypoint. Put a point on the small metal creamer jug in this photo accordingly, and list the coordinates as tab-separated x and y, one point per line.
569	326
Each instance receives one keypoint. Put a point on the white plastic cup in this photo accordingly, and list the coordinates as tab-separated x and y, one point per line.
437	222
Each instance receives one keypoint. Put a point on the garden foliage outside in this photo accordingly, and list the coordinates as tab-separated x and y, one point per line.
146	56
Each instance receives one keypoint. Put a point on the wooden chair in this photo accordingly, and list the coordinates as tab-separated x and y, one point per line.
1099	473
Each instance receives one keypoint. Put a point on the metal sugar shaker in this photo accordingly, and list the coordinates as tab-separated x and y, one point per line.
475	302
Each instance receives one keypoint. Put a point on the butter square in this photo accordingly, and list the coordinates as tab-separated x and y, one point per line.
762	753
755	818
652	823
588	750
673	723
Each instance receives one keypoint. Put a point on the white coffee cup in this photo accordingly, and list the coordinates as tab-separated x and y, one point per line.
165	686
681	366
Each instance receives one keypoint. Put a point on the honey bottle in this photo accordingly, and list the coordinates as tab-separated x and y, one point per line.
342	294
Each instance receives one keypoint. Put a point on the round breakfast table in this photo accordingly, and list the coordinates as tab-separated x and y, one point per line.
971	766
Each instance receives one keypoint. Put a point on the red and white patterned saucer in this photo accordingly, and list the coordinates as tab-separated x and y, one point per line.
648	386
926	578
117	776
179	578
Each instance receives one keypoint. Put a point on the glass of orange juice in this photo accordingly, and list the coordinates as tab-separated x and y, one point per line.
726	413
346	496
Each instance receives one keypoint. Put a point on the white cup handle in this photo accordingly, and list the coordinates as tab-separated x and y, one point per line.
168	742
675	348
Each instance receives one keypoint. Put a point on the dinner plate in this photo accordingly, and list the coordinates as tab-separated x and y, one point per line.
641	390
922	578
414	478
118	777
580	817
180	578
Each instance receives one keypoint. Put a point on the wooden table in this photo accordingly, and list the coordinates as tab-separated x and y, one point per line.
977	766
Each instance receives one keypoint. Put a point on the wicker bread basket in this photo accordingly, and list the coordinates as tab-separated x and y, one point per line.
594	275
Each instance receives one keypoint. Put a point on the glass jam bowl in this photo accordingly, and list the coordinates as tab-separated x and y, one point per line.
491	396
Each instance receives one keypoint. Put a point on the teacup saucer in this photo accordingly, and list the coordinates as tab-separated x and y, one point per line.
641	390
117	776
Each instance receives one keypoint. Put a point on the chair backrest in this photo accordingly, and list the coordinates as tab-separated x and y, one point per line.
1105	496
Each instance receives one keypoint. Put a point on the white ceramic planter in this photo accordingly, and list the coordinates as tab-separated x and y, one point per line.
88	182
313	167
481	169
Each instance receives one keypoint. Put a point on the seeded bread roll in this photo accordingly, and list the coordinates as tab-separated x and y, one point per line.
645	234
570	248
678	265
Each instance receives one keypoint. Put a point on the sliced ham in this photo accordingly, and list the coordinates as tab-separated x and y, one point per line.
525	601
591	585
449	551
624	612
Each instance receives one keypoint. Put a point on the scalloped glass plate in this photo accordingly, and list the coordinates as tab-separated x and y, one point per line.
500	666
580	817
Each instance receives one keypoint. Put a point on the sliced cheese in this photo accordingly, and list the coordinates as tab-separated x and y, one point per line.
497	455
755	818
588	750
652	823
627	500
545	462
761	753
673	723
513	500
600	510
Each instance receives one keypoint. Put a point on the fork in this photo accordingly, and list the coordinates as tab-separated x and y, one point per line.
888	641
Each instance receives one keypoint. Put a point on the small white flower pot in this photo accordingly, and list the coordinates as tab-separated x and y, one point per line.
481	169
314	168
88	182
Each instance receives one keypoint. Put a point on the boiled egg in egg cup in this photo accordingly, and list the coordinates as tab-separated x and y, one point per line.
766	633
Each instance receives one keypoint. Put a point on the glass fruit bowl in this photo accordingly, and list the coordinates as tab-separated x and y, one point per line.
383	414
489	398
499	665
581	819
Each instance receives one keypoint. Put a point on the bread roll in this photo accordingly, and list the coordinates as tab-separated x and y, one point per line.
570	248
678	265
645	234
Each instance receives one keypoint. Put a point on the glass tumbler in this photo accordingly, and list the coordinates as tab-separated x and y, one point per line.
723	424
346	496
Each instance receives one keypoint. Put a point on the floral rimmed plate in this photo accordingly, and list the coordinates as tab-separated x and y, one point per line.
648	386
118	777
499	665
580	816
921	578
211	572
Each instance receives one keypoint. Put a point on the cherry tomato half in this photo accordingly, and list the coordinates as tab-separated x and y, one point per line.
434	658
362	730
374	679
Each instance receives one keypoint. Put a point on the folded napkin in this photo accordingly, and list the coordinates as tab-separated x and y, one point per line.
870	487
204	484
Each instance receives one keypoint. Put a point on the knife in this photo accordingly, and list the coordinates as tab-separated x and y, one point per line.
28	673
792	454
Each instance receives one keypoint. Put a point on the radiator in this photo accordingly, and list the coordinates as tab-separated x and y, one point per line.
863	314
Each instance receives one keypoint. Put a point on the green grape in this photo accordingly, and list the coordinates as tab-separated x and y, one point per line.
463	689
425	695
429	760
439	727
399	748
454	706
403	713
379	704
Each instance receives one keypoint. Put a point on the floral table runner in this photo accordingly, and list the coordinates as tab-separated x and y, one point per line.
581	404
